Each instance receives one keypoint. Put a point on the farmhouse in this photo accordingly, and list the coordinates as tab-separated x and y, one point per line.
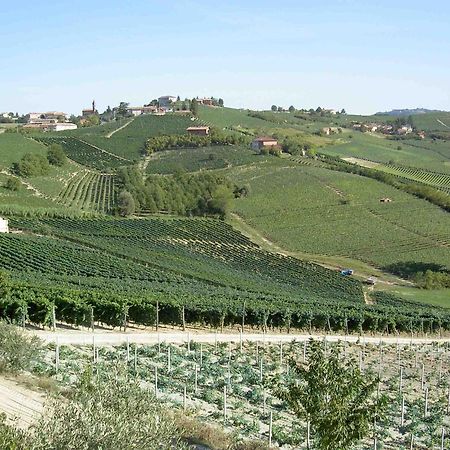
385	200
207	101
263	141
198	131
4	228
65	126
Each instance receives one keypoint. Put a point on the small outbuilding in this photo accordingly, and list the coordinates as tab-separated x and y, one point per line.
198	131
4	227
385	200
264	142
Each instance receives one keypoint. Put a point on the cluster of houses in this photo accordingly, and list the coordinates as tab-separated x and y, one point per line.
49	121
165	104
386	129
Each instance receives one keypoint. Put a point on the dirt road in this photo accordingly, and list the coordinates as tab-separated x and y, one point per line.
21	405
106	338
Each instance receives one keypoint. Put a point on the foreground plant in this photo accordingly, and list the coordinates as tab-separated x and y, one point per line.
339	403
108	414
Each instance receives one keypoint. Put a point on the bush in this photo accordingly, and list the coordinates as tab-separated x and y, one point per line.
56	155
32	165
17	350
126	204
13	184
115	413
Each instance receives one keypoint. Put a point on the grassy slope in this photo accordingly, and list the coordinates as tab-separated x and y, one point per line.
129	142
194	159
423	154
302	209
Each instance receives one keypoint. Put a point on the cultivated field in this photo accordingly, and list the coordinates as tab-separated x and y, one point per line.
232	384
333	213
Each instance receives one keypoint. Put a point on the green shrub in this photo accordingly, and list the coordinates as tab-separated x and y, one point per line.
56	155
13	184
18	351
111	414
32	165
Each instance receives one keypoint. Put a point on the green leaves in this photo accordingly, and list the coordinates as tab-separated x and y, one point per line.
337	399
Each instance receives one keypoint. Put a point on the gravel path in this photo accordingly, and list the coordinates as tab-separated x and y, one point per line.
100	338
21	405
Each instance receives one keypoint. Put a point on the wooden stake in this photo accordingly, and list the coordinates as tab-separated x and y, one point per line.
426	403
401	380
423	376
184	397
308	437
442	438
128	349
402	420
412	442
281	353
270	428
156	381
135	358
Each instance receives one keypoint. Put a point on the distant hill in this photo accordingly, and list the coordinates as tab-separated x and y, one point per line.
407	112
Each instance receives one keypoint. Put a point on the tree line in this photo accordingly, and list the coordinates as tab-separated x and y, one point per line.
180	193
216	137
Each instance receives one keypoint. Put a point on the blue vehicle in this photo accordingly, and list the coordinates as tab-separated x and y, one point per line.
347	272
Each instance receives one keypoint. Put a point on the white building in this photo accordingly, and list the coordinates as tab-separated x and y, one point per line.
4	228
166	101
62	126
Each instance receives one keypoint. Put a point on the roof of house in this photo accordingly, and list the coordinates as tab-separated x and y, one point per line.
265	139
196	128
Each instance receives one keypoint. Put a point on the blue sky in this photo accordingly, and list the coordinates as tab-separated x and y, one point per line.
364	56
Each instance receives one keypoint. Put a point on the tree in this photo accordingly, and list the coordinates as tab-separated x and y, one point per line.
13	184
31	165
56	155
221	104
126	204
273	108
122	109
194	106
319	110
338	401
343	111
280	109
291	109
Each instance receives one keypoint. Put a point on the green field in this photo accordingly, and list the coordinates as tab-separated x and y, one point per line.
333	213
427	154
206	158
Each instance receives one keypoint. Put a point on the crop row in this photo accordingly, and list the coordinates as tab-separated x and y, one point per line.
86	154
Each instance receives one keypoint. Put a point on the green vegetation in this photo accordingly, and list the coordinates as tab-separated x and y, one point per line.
340	214
56	155
204	158
84	153
18	351
31	165
158	144
183	194
334	397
